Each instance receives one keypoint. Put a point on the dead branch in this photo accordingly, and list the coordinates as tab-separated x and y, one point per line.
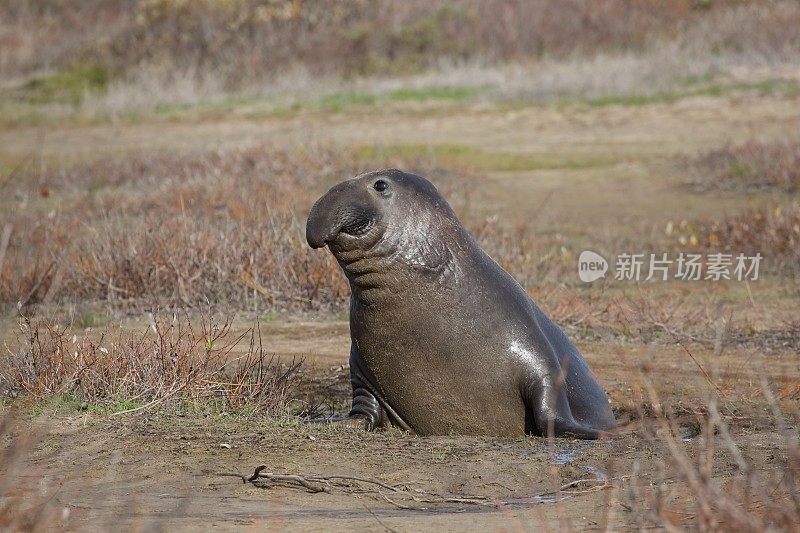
37	285
317	483
703	370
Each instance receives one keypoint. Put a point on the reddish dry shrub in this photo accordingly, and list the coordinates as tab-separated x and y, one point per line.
748	167
772	231
220	228
645	316
48	34
532	259
209	227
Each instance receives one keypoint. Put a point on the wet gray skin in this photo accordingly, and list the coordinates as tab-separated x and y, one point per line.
444	341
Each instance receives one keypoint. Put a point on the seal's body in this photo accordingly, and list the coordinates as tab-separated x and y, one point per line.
444	341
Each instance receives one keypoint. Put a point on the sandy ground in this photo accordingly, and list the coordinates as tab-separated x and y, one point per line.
654	129
162	470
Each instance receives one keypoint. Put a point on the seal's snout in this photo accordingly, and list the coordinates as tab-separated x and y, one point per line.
326	220
345	210
318	227
314	240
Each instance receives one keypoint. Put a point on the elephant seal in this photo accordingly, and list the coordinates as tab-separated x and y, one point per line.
444	341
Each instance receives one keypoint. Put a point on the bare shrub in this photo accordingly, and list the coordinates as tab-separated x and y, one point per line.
29	262
773	231
749	167
252	39
750	32
226	228
173	359
641	316
533	259
42	35
692	491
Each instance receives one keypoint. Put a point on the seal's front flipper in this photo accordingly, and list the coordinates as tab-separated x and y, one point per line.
366	408
366	413
549	413
367	403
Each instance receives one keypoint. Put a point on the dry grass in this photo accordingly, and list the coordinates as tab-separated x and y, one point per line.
220	228
691	490
210	227
46	35
176	358
752	166
668	316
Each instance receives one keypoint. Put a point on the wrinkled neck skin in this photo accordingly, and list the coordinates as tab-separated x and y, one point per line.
394	260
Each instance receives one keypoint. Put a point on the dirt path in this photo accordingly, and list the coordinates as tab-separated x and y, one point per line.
159	470
624	153
633	131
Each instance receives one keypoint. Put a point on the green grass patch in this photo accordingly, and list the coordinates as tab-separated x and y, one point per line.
633	100
338	102
772	87
211	108
91	320
61	403
114	406
477	159
16	113
701	87
66	86
69	403
271	316
435	93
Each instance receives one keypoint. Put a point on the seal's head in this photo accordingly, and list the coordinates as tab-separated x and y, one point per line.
386	228
388	206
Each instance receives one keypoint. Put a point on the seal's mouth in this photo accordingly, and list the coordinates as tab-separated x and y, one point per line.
340	216
358	227
349	225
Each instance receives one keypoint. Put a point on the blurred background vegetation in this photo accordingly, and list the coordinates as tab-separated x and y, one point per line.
125	55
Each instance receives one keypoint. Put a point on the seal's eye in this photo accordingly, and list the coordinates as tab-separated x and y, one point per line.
380	185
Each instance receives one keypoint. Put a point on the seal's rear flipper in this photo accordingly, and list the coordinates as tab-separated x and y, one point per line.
579	431
548	412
